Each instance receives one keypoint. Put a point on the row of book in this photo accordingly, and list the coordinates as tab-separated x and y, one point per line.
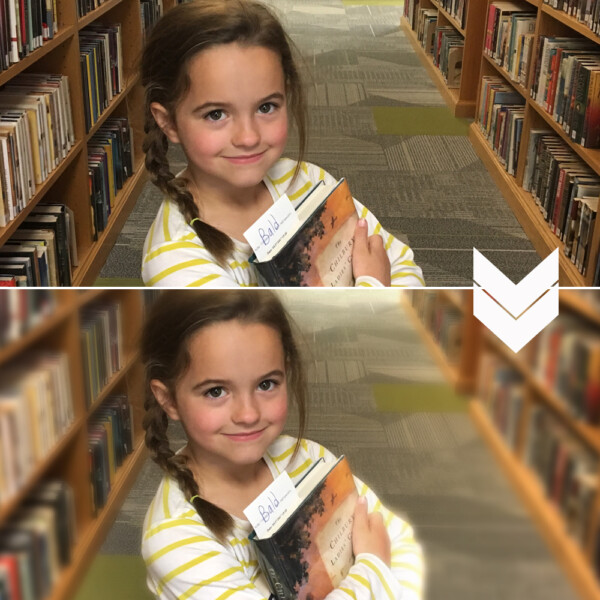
36	410
24	26
457	9
110	163
501	114
567	360
585	11
443	320
101	62
448	48
566	470
38	542
509	37
566	84
444	43
101	346
87	6
36	134
566	191
42	251
150	12
21	311
111	437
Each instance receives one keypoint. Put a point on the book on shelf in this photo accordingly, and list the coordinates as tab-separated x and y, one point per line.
319	251
310	551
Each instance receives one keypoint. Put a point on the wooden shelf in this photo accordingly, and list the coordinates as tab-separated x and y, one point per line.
549	521
524	207
451	19
576	302
571	22
69	182
460	108
91	539
60	332
505	74
588	433
448	369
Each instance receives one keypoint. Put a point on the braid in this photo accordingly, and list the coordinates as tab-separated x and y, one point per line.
155	147
155	424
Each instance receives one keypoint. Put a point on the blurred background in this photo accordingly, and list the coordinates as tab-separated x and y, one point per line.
492	456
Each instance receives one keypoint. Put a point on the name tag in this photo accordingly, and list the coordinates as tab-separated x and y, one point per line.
266	511
272	230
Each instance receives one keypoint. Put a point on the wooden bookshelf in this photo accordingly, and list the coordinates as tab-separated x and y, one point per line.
68	459
68	182
549	21
575	559
461	100
458	370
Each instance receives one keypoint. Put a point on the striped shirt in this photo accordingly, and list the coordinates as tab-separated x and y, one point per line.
174	255
185	560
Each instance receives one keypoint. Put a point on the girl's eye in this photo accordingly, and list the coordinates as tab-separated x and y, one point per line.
266	108
267	385
215	392
215	115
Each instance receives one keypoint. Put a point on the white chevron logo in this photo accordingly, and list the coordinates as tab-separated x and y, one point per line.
515	313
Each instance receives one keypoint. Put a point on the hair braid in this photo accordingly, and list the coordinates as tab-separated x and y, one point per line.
155	147
155	424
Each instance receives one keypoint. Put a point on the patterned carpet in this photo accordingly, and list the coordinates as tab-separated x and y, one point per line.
377	119
368	369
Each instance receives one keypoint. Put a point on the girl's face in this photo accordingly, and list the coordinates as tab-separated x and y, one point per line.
232	123
232	401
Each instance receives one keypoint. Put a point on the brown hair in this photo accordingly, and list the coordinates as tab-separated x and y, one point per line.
183	32
172	321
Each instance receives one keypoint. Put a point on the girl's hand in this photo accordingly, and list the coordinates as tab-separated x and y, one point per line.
369	256
369	533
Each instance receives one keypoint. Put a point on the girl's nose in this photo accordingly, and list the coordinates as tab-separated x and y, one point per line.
246	410
246	133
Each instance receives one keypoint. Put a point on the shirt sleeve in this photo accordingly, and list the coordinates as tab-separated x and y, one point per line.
184	263
404	271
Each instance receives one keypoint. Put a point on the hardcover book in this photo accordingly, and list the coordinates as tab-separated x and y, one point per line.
319	252
310	553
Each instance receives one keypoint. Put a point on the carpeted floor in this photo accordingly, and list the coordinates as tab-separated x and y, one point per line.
377	119
376	396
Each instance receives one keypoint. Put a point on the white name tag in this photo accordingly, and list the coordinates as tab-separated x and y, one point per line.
272	505
272	229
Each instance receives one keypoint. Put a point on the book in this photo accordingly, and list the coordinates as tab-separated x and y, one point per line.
319	252
310	552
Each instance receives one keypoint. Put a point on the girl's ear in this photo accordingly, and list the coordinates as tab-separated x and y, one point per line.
163	120
164	398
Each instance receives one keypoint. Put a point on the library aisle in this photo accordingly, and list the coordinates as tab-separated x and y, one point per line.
378	396
377	119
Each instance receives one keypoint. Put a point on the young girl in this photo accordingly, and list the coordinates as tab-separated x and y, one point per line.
220	80
222	363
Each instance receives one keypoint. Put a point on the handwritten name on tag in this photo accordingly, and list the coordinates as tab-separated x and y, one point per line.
272	230
271	506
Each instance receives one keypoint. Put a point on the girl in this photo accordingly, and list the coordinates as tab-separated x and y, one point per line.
220	80
222	363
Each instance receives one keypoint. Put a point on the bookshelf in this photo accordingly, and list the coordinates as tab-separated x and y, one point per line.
68	183
60	332
548	21
461	100
576	559
457	359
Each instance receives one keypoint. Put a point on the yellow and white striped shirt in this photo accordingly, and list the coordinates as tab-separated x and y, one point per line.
185	560
174	255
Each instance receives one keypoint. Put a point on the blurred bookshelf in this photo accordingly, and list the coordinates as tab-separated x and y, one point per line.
537	409
71	440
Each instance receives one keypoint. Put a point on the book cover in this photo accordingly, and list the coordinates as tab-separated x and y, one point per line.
320	252
310	554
